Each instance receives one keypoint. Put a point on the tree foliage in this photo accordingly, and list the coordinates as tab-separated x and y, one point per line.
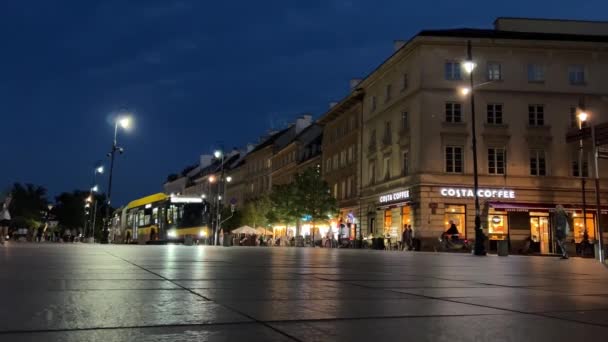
70	212
28	205
255	212
308	195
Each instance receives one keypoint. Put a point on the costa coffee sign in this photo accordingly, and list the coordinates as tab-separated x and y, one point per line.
483	193
394	196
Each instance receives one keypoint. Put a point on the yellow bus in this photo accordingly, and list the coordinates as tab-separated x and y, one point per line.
162	217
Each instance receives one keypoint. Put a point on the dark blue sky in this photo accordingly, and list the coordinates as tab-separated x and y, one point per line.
194	72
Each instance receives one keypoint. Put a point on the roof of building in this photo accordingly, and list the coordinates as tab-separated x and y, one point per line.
269	141
496	34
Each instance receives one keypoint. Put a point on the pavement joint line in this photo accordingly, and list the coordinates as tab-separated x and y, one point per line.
539	314
225	306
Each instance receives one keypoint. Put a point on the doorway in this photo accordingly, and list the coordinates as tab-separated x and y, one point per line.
541	232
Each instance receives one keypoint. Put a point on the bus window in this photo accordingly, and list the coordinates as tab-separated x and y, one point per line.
155	216
140	218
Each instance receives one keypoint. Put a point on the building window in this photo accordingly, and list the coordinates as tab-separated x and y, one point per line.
405	120
349	187
372	139
406	164
453	112
353	123
453	159
335	162
343	158
388	93
452	71
343	190
495	114
388	220
327	164
576	74
536	73
536	115
579	226
455	214
537	163
387	168
336	190
496	161
576	170
406	216
404	82
371	171
373	103
351	154
387	139
494	71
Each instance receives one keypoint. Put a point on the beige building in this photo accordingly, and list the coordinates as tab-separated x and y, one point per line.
531	77
341	157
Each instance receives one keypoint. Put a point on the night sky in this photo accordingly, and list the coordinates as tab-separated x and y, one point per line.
195	73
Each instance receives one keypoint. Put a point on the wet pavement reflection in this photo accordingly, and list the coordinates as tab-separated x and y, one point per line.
54	292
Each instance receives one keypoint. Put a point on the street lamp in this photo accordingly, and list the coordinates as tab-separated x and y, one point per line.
228	179
123	121
582	118
469	66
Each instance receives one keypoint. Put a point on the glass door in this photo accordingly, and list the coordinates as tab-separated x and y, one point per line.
541	232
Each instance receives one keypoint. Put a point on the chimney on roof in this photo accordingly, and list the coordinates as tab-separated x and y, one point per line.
398	44
354	83
332	104
303	122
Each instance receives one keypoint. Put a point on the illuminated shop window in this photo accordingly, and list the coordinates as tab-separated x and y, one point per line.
388	220
497	222
455	213
579	227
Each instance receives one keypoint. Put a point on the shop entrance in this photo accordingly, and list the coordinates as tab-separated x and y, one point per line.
541	232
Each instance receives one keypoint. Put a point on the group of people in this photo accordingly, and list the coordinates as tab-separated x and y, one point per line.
409	240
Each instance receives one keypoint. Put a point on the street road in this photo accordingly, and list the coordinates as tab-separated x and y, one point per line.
65	292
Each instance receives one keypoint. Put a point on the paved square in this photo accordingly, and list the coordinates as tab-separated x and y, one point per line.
64	292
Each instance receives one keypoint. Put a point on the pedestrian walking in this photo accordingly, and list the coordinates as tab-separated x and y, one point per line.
5	218
404	237
408	237
562	228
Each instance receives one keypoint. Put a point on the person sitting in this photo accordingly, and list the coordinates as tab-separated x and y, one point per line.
453	231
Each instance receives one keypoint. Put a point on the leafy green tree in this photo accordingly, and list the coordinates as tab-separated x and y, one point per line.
255	212
28	205
284	205
314	197
70	212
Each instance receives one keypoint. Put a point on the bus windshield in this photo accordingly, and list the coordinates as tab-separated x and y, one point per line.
184	215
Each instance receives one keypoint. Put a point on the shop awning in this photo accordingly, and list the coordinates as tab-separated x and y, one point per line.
393	205
513	206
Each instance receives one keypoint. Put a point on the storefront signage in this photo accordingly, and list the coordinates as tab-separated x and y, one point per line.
394	196
496	219
484	193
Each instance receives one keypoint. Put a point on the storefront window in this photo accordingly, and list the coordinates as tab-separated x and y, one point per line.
579	227
388	220
406	217
540	231
497	222
456	214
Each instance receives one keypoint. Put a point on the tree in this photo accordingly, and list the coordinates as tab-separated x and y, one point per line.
70	213
314	197
284	208
255	212
28	205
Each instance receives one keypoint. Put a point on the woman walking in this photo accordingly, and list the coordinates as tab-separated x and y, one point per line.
5	218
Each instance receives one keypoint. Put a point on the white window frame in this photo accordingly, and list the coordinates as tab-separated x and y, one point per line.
452	71
576	74
450	112
536	117
492	110
494	160
494	71
452	166
537	156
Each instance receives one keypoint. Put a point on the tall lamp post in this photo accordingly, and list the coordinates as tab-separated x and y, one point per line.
98	170
469	66
582	118
124	122
218	154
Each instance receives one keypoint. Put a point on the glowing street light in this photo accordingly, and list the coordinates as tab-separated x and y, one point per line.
212	179
99	169
228	179
582	116
95	188
469	66
465	91
217	154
